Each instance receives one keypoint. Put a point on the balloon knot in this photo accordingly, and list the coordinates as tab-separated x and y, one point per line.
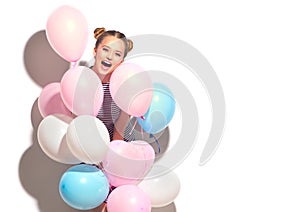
73	64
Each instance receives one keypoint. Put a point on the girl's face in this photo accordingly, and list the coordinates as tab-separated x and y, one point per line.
108	55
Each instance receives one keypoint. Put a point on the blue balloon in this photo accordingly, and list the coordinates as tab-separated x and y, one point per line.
161	110
84	187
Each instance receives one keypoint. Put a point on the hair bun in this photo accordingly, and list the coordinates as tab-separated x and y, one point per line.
98	32
130	44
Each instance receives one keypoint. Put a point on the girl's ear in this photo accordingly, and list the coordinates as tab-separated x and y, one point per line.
94	51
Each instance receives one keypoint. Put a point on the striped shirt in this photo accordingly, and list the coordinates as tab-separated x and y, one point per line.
110	112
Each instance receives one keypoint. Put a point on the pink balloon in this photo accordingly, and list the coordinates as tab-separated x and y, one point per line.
82	91
131	88
50	101
128	198
127	162
67	32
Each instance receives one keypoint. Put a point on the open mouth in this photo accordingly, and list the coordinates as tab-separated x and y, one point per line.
106	64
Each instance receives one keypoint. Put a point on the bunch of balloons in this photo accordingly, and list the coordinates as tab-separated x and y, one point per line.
70	133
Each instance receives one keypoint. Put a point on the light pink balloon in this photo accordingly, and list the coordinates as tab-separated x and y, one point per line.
50	101
128	198
131	88
82	91
67	32
128	162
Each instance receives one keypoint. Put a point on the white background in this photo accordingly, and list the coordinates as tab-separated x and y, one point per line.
253	47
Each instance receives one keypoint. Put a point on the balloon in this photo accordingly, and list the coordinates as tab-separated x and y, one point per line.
131	89
161	110
160	141
83	187
155	184
67	32
128	198
81	91
88	139
127	162
51	138
50	102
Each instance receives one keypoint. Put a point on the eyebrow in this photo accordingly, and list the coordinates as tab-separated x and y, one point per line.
106	46
110	48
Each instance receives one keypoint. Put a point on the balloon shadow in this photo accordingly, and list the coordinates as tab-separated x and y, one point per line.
41	62
169	208
40	175
36	116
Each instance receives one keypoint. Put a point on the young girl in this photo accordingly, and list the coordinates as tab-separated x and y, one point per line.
110	50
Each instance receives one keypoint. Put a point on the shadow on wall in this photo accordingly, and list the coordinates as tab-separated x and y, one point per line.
40	175
42	63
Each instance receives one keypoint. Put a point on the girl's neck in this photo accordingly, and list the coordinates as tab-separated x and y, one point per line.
104	78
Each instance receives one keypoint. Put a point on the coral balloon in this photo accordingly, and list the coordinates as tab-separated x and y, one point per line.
67	32
82	91
52	140
127	162
88	139
131	88
128	198
50	101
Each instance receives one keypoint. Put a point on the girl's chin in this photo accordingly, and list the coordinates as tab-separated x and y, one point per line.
105	71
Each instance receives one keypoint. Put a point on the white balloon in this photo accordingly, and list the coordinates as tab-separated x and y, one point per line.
88	139
161	185
52	140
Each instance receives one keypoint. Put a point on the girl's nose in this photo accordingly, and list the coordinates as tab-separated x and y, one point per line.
109	55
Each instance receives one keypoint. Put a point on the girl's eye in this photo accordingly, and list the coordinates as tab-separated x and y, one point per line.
118	54
105	49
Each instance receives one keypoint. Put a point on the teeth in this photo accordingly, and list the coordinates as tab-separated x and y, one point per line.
105	63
